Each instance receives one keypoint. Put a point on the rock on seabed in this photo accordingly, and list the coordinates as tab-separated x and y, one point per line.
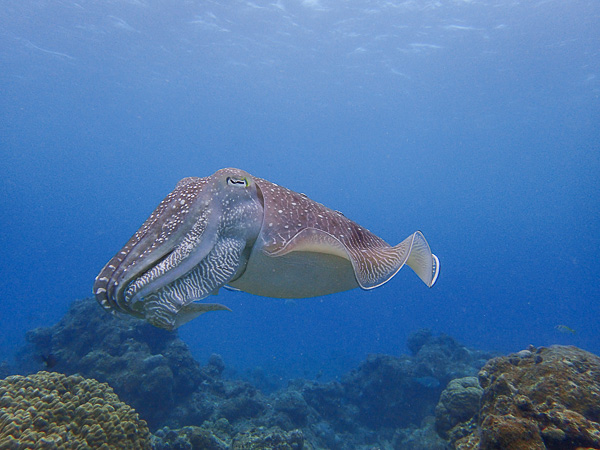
540	398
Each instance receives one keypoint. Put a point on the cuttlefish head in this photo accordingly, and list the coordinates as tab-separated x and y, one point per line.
195	241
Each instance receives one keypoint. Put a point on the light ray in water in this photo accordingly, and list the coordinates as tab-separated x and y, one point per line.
30	44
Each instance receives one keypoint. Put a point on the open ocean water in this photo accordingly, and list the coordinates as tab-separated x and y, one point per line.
476	122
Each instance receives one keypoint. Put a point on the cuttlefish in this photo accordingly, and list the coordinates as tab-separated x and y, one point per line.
237	231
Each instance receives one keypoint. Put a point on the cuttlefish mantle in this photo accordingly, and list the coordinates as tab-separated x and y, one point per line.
238	231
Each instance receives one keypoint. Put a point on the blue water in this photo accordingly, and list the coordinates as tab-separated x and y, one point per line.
476	122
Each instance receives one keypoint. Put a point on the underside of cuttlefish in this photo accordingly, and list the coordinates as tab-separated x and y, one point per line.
237	231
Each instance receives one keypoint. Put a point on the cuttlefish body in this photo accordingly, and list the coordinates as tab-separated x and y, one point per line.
234	230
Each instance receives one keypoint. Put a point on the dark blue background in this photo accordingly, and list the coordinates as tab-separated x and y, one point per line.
476	122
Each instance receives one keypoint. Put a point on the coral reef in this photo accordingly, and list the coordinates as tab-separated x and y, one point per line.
262	438
545	398
456	412
206	438
391	391
443	358
190	437
50	410
383	402
150	369
422	438
5	369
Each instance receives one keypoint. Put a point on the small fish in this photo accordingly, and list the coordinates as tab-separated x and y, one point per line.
49	360
565	329
428	382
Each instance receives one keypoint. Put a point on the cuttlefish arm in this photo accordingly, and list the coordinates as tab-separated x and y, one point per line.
195	241
173	305
155	239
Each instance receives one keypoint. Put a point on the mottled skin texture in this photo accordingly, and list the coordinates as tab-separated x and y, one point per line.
235	230
544	398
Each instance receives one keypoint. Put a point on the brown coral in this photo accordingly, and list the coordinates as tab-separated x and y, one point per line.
546	398
262	438
458	403
52	410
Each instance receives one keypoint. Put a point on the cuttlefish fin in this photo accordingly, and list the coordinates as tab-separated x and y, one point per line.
372	265
315	241
231	288
377	264
193	310
420	259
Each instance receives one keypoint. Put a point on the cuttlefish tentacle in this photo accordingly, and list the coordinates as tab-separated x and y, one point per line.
236	231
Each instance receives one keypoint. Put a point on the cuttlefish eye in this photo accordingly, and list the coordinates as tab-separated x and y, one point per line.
234	181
